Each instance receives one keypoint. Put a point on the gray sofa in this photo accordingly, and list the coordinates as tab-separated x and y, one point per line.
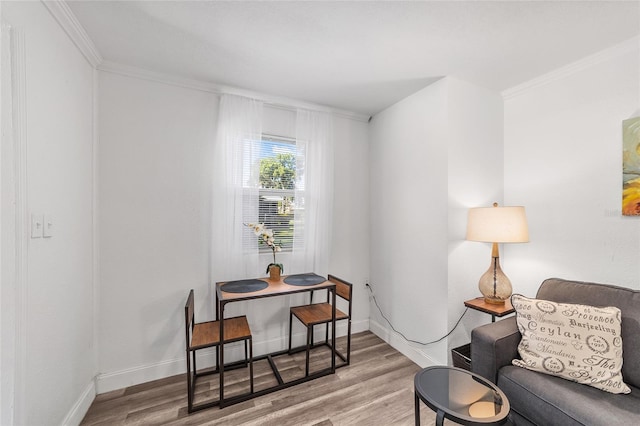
544	400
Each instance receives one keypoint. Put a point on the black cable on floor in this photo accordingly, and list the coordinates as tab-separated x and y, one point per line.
400	333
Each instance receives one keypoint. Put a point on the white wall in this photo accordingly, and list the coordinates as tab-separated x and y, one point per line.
154	232
154	202
351	240
563	155
475	172
408	184
55	353
433	155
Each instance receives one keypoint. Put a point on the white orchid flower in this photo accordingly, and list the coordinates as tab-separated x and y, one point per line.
256	227
265	236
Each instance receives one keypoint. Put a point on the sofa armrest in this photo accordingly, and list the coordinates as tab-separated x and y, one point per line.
493	346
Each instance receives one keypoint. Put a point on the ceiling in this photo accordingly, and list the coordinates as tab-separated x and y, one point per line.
354	55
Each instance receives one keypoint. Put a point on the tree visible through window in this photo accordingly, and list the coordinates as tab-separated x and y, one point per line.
278	172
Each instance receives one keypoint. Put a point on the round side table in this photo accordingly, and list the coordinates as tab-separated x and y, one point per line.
460	396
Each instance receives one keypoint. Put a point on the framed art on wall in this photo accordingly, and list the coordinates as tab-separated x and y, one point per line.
631	167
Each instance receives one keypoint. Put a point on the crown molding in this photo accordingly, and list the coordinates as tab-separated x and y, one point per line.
70	24
620	49
68	21
145	74
173	80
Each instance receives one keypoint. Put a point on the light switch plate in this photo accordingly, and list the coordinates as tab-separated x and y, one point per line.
36	225
47	226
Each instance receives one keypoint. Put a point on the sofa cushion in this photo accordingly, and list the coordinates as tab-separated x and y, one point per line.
628	300
576	342
547	400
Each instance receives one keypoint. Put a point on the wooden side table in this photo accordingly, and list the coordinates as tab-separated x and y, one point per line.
461	356
489	308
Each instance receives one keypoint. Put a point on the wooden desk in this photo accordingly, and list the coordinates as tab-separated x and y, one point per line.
274	288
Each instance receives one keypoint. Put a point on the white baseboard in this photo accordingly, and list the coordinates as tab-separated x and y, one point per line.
401	345
107	382
80	408
359	326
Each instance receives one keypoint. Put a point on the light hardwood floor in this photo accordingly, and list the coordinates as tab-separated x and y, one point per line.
376	389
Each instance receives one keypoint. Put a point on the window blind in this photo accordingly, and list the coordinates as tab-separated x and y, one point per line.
273	188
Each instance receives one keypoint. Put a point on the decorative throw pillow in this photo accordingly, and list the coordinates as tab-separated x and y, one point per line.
576	342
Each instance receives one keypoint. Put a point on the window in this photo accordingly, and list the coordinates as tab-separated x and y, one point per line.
271	166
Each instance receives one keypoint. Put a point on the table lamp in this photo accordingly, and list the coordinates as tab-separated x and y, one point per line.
496	225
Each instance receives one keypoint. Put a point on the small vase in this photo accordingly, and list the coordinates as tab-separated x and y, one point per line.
274	273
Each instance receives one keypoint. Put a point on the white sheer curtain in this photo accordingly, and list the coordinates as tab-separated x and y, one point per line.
239	123
314	140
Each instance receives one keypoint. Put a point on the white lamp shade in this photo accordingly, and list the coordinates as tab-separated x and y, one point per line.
498	225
